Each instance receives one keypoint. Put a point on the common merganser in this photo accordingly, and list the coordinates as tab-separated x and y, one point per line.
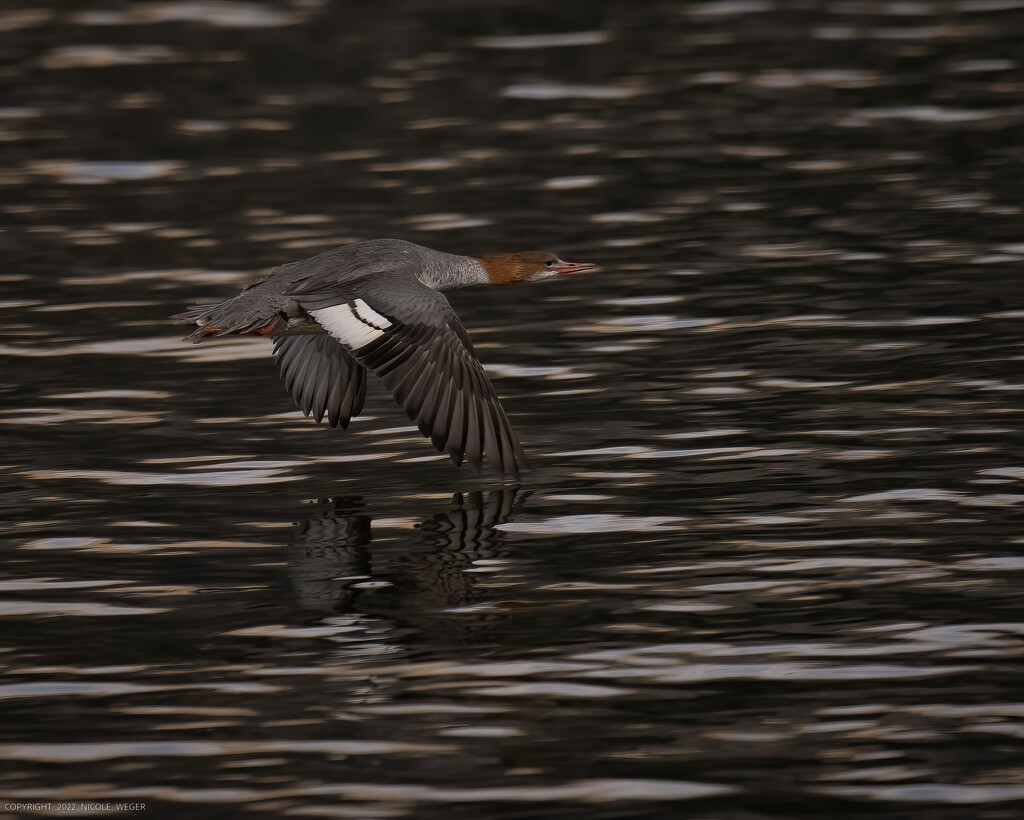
376	306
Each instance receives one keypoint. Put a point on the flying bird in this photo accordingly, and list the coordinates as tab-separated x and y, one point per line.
376	306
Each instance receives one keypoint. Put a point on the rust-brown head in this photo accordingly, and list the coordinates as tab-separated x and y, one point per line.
506	268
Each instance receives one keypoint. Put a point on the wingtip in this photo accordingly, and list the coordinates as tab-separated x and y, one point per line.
509	474
516	473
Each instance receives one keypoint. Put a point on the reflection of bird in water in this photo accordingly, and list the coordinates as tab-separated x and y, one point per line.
328	555
330	559
393	596
461	539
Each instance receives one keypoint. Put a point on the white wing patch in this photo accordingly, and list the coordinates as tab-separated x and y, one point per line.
354	324
368	315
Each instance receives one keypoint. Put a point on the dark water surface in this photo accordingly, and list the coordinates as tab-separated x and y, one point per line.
769	562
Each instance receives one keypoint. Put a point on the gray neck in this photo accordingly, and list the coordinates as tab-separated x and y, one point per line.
445	271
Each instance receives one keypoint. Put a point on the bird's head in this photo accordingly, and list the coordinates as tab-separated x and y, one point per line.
506	268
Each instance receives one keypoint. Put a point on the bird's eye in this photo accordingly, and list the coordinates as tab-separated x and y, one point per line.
550	263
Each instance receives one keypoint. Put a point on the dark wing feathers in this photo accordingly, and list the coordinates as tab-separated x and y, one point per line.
445	391
425	358
322	377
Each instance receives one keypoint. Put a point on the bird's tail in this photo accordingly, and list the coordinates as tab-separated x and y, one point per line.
224	319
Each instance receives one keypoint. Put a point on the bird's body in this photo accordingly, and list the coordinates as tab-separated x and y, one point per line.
376	306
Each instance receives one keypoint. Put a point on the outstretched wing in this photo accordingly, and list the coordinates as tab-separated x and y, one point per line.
321	376
408	335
